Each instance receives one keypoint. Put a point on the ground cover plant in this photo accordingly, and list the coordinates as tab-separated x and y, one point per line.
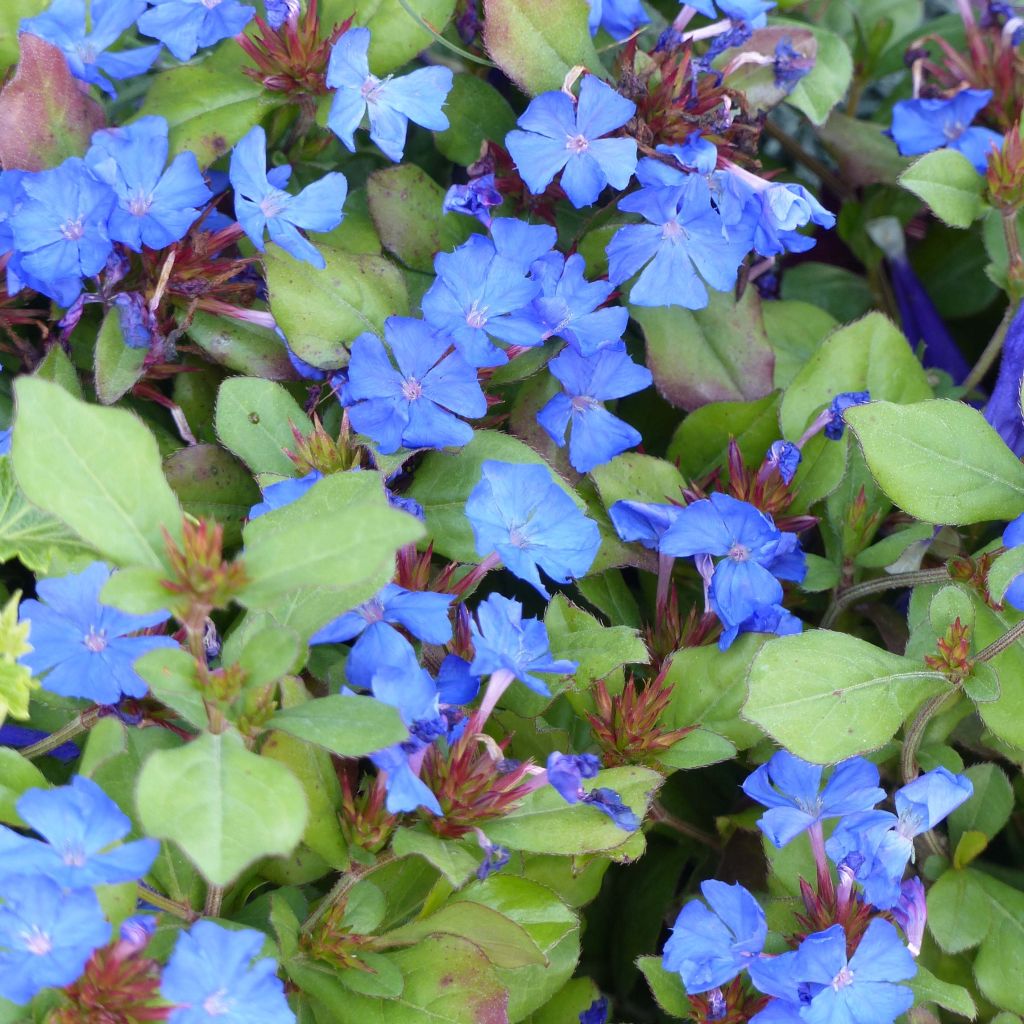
511	511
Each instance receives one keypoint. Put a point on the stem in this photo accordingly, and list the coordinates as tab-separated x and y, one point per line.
499	682
214	901
1013	634
79	724
665	563
660	816
992	350
826	890
912	737
895	582
341	888
166	904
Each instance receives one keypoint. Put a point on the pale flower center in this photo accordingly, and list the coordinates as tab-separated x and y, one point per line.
476	317
370	89
842	979
37	941
577	143
210	4
517	538
739	552
273	203
411	389
73	856
672	231
72	230
94	641
581	403
139	204
216	1005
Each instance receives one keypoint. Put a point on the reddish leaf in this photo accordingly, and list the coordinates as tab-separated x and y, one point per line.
45	114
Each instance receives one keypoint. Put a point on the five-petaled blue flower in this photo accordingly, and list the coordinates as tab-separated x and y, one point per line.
60	229
423	613
755	554
919	126
85	44
47	933
212	977
519	513
877	845
155	207
791	790
596	436
82	645
619	18
562	135
78	822
685	244
504	641
482	291
183	26
390	103
568	304
709	947
418	404
261	202
644	521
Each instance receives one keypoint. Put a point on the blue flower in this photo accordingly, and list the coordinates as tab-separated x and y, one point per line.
390	103
694	152
566	773
754	553
596	435
791	790
1003	410
768	618
836	425
482	291
378	646
752	12
417	405
60	230
261	202
47	935
619	18
790	65
5	440
279	11
495	857
920	126
560	135
81	644
644	521
522	515
284	492
783	209
709	947
405	789
475	199
911	913
63	24
78	822
504	641
597	1012
877	845
568	304
685	235
785	457
422	613
609	802
212	978
155	207
183	26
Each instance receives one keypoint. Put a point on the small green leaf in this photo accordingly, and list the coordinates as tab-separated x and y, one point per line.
826	84
1003	571
947	181
929	989
16	775
914	451
989	807
982	685
118	367
477	113
225	806
697	750
822	574
172	678
243	347
347	726
451	857
959	914
971	845
666	986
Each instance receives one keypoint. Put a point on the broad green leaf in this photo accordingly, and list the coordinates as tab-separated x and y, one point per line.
889	549
545	823
717	354
697	750
636	477
16	775
569	1003
172	678
58	368
451	857
255	419
947	181
321	311
39	540
406	207
347	726
795	330
940	461
1003	571
1000	961
970	846
666	986
990	806
477	113
863	149
378	977
537	42
118	367
96	469
838	290
242	347
225	806
819	91
209	104
501	940
929	989
826	696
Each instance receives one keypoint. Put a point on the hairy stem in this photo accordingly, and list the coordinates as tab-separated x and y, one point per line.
897	581
990	352
79	724
912	737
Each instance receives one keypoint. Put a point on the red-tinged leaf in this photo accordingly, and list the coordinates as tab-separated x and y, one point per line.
45	114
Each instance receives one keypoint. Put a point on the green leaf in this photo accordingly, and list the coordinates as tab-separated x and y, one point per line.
320	311
477	113
947	181
346	726
267	655
929	989
212	484
406	207
502	941
242	347
959	915
990	806
636	477
915	451
545	823
1000	960
37	539
451	857
16	775
839	291
971	846
58	368
1003	571
96	469
826	84
889	549
11	15
209	104
717	354
254	420
365	907
537	42
982	685
865	153
821	575
118	367
697	750
378	976
171	676
225	806
666	986
826	696
795	330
